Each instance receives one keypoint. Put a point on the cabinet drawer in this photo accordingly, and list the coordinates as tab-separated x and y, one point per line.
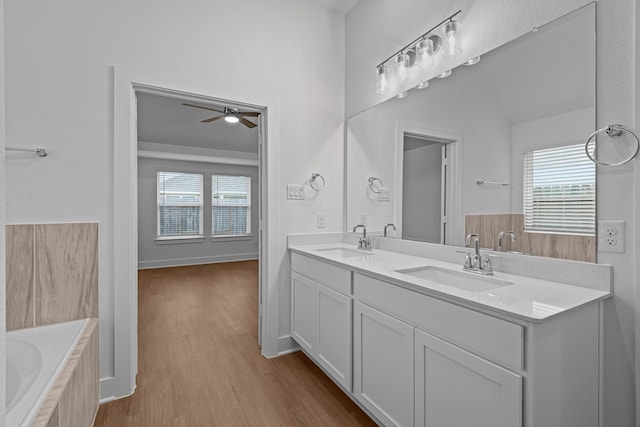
485	335
329	275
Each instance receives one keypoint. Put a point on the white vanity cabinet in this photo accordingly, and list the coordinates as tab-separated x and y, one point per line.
415	358
383	365
419	360
321	313
454	387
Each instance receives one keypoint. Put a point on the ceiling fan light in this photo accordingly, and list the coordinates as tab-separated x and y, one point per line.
231	118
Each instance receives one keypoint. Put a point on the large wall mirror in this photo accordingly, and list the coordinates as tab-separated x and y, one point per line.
496	147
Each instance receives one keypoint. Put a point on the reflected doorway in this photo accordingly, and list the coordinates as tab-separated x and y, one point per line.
425	186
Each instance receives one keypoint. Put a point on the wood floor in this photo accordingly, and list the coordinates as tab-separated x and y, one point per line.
200	364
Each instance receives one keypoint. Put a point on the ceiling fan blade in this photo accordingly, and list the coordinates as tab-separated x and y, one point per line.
249	113
212	119
204	108
247	123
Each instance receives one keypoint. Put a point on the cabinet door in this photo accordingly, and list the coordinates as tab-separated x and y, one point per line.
333	339
383	365
457	388
303	311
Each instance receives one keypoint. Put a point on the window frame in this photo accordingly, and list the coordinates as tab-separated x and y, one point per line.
180	238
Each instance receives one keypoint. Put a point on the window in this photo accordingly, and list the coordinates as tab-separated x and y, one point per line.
560	191
231	205
179	204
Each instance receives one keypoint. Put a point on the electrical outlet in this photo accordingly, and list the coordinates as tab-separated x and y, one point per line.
363	219
295	192
612	236
321	220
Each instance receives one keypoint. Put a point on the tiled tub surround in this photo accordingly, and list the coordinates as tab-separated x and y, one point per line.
65	377
562	246
526	353
52	273
52	277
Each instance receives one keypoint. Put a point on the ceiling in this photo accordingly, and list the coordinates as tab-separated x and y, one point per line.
557	63
342	6
165	120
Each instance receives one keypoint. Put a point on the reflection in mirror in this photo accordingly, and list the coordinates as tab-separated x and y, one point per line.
467	153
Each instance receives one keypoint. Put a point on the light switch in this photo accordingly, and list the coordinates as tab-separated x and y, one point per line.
295	192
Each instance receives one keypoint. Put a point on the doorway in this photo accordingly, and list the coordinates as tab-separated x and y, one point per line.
201	183
424	189
429	209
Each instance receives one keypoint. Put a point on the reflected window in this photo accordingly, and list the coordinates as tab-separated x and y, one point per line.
560	191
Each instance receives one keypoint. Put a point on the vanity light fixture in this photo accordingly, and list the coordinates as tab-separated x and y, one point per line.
402	94
444	75
453	38
419	53
424	54
472	61
383	83
422	85
403	63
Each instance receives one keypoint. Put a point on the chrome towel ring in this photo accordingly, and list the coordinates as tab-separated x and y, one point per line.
317	181
375	184
612	131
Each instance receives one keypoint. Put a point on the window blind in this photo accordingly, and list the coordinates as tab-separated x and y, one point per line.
560	191
231	205
180	203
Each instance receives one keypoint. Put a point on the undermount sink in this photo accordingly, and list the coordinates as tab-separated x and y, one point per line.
344	252
455	279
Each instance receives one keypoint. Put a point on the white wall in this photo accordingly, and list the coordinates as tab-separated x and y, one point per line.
3	325
152	253
377	28
563	128
59	62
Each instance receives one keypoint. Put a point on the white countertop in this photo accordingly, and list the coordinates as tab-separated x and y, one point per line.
527	298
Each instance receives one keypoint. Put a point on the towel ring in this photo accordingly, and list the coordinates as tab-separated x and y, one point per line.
612	130
376	188
317	181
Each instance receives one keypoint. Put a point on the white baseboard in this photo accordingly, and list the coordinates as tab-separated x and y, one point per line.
287	345
180	262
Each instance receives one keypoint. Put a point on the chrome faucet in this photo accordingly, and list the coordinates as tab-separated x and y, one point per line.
514	238
387	226
365	242
476	263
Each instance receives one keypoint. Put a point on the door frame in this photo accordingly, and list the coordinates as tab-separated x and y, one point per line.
454	141
125	222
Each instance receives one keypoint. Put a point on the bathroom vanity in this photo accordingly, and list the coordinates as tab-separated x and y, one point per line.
416	341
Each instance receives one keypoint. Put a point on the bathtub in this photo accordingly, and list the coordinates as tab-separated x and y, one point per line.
35	358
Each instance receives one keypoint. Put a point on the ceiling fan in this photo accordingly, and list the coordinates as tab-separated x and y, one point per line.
230	115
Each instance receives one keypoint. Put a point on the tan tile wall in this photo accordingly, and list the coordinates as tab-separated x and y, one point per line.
52	273
20	279
563	246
